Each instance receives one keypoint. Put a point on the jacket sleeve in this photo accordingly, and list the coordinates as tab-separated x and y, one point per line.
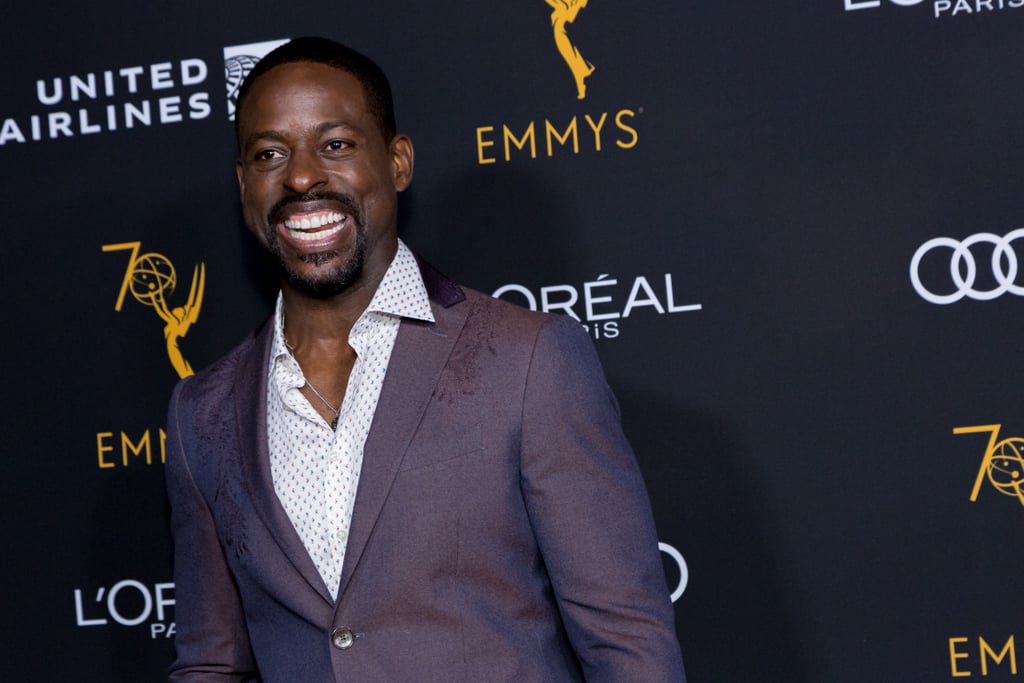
592	517
211	639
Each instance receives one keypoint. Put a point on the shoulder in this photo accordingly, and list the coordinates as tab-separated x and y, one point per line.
214	383
445	293
203	427
508	324
498	319
504	310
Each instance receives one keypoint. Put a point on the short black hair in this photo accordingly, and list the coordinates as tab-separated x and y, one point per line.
324	51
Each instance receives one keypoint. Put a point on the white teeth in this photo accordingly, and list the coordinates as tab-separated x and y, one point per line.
318	235
313	222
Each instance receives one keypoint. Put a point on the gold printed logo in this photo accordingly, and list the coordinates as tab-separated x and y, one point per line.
563	13
1003	464
150	278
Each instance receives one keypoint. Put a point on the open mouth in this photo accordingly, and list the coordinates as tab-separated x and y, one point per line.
311	227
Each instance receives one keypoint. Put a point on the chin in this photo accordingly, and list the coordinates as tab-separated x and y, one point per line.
324	285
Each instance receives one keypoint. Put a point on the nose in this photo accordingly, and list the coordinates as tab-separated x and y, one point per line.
305	172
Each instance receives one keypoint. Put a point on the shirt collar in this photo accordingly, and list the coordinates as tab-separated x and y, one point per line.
401	293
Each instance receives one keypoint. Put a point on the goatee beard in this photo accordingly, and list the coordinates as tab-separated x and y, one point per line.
330	283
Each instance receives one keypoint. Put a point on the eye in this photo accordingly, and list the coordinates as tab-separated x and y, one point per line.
266	155
337	145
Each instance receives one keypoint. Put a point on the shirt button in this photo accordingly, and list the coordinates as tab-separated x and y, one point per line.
343	638
342	536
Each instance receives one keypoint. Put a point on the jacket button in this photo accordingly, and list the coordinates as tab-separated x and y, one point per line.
342	638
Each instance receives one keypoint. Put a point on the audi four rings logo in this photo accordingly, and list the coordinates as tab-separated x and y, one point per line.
963	268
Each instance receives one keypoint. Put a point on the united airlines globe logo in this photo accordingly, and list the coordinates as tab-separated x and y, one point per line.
235	70
238	62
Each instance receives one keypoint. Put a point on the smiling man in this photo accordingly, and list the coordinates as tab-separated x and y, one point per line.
396	478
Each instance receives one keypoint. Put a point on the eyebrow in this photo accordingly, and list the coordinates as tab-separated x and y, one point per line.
278	136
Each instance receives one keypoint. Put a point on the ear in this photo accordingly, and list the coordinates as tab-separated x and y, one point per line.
401	161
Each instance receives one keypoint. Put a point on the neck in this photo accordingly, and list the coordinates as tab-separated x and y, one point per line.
319	320
316	333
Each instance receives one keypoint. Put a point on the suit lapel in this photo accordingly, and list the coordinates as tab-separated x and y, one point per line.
251	410
420	354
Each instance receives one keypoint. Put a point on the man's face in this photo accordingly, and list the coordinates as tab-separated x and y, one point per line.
318	179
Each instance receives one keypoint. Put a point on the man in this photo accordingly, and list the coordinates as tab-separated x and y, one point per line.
395	478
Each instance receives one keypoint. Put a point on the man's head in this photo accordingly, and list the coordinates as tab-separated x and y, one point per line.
375	83
320	165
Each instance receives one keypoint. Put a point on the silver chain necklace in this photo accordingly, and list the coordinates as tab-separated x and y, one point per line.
336	411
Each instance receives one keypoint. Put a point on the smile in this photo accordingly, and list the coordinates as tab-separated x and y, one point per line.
317	226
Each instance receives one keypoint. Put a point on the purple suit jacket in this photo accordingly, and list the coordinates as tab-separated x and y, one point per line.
501	531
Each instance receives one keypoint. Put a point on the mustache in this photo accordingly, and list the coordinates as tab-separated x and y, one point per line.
348	203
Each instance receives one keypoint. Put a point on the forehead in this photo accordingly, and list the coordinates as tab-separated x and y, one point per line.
303	89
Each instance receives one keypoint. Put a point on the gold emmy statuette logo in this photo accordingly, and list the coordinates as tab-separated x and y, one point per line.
1003	464
564	12
150	278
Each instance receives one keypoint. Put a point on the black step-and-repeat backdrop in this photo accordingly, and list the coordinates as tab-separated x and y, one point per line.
791	228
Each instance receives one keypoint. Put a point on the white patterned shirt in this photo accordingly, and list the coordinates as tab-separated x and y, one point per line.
316	469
